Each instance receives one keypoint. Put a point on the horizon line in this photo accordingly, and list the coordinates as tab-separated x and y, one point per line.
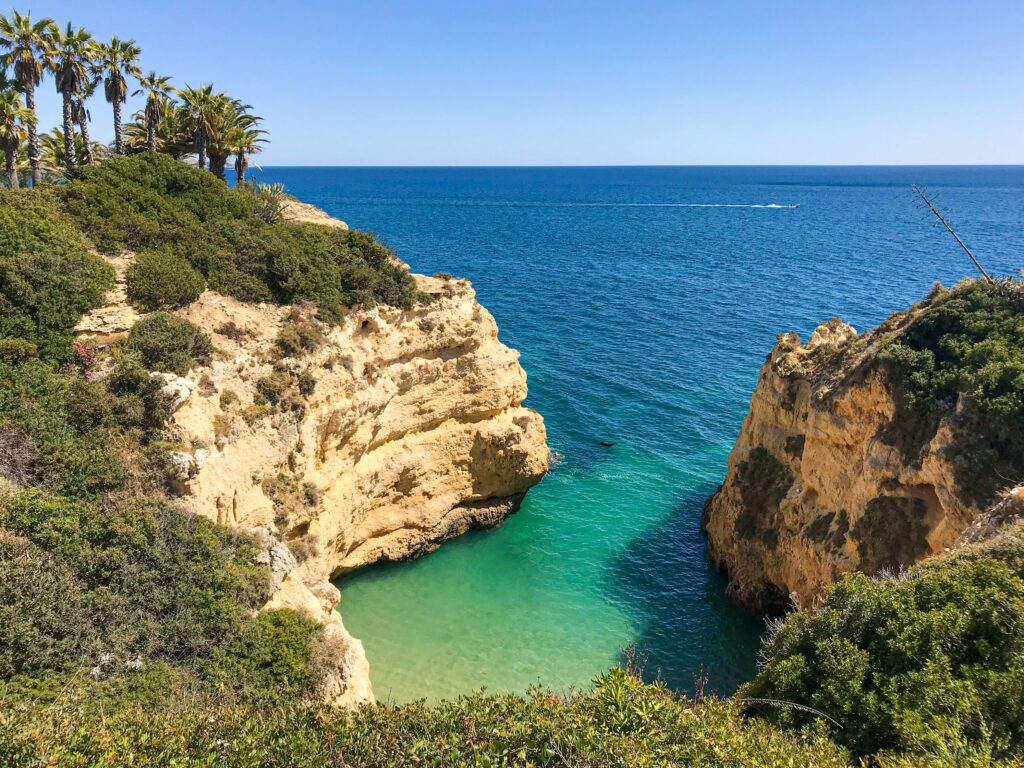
656	165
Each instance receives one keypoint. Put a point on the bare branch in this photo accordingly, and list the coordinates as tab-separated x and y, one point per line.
945	222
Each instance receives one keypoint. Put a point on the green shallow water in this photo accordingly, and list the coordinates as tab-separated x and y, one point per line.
544	599
643	308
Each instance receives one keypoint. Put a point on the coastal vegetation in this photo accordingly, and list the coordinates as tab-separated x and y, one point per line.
929	663
131	632
192	120
963	358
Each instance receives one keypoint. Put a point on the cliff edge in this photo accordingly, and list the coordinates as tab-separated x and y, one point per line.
341	445
869	452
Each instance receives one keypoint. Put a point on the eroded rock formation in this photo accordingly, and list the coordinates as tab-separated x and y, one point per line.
399	429
820	481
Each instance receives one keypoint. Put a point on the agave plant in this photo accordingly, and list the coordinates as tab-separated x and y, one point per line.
28	51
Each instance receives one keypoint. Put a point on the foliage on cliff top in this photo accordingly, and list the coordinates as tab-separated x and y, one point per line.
151	201
622	723
966	346
930	663
47	276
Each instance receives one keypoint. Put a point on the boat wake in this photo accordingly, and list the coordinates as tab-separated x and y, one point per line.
543	204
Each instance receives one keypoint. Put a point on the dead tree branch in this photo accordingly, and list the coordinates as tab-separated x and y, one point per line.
942	220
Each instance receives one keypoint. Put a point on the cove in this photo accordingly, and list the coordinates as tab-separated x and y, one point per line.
643	301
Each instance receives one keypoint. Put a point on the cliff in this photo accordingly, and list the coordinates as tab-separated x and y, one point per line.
864	452
373	439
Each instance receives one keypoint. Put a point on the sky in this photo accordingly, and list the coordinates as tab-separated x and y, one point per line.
546	82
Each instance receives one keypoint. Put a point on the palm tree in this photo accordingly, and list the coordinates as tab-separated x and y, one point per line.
230	119
82	117
158	92
116	62
74	55
201	106
246	142
28	49
54	158
15	121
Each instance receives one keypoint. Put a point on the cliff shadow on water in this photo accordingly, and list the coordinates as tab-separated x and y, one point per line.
664	580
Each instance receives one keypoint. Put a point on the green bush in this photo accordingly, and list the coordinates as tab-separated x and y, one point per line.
270	648
15	351
151	201
161	279
966	346
48	278
166	342
271	388
56	428
931	664
143	581
622	724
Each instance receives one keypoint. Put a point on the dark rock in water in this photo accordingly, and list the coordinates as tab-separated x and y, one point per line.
607	443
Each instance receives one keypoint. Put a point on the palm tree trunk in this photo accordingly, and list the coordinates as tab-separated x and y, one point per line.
33	137
118	129
217	166
201	141
12	172
83	124
150	134
241	166
69	133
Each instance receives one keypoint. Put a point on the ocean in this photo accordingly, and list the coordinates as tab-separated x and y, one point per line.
643	302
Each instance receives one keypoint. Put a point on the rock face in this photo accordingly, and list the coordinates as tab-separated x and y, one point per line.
397	430
817	484
413	432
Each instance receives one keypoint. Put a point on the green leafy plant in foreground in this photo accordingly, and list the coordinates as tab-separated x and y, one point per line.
930	663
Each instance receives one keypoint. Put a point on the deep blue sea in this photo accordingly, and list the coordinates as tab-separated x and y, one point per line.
643	301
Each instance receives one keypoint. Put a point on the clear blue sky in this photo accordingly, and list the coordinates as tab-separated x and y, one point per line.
539	82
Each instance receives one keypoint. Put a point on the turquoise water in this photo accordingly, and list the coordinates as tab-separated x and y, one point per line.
643	311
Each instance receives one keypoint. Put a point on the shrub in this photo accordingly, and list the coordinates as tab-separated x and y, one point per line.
160	279
15	351
145	580
166	342
928	664
268	650
966	346
299	335
48	278
151	201
63	423
622	723
271	388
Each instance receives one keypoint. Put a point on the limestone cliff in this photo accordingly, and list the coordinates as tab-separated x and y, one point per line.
820	481
385	435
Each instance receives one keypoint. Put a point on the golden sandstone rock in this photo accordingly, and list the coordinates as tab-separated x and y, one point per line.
414	432
817	485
